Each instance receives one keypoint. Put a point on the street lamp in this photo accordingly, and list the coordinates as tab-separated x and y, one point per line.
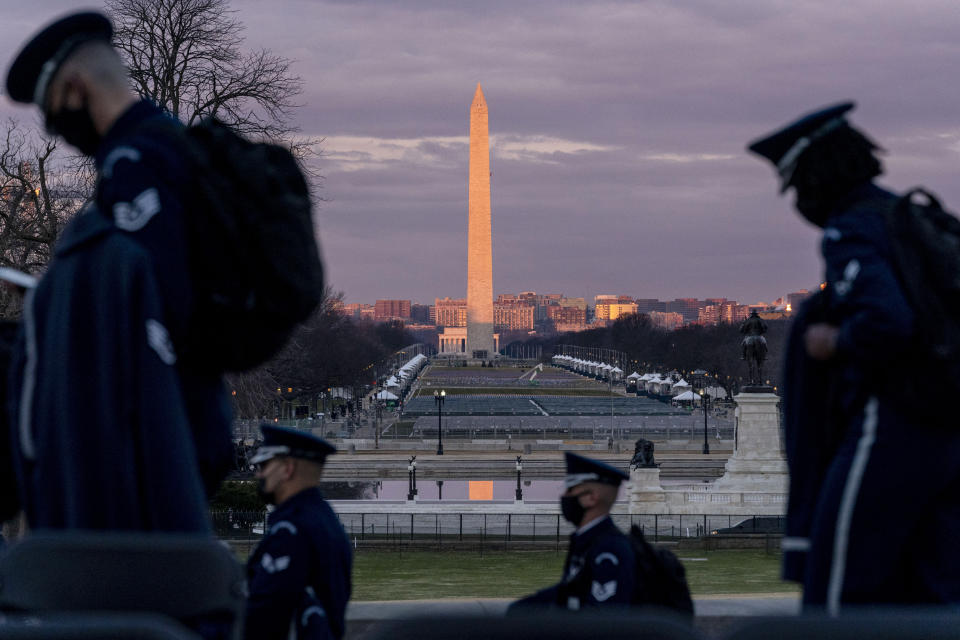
704	399
519	471
438	398
411	477
439	489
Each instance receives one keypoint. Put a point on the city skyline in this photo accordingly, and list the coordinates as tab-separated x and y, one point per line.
618	157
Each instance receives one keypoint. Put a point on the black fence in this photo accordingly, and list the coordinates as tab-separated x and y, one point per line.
544	528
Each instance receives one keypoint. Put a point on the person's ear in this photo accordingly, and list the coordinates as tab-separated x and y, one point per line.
68	91
589	499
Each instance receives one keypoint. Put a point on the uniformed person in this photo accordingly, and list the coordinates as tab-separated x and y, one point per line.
110	428
857	532
600	565
299	575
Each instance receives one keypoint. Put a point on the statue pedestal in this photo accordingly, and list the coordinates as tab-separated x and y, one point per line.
758	462
644	491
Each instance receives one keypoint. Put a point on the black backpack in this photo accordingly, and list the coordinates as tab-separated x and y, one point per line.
661	580
926	256
253	254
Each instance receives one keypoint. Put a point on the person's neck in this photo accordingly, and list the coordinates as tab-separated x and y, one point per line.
107	107
290	489
590	518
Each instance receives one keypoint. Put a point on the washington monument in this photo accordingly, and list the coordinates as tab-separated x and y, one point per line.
479	254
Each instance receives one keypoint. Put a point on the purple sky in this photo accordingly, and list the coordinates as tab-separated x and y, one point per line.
618	132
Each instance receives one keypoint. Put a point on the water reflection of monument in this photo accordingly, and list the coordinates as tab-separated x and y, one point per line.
477	340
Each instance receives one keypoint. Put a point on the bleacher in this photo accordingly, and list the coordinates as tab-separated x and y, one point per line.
509	405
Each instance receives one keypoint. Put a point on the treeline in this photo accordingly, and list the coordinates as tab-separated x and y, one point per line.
714	348
328	350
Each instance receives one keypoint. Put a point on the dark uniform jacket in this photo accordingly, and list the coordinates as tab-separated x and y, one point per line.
299	576
849	427
109	430
599	571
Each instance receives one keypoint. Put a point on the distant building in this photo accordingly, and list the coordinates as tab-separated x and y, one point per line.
516	315
453	340
564	319
724	312
358	310
666	320
391	310
420	314
612	311
646	305
795	299
451	312
689	308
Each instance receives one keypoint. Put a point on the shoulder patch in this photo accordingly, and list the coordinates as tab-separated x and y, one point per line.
118	154
606	555
605	591
133	216
274	565
159	341
283	524
850	273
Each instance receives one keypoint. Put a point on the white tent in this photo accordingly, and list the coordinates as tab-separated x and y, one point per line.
634	376
386	395
687	396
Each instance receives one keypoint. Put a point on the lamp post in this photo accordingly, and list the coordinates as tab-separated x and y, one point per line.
438	398
439	489
704	399
519	471
412	477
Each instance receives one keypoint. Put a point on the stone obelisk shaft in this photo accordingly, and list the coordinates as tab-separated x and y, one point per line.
479	254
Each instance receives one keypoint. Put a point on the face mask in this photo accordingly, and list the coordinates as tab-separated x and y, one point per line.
76	127
571	509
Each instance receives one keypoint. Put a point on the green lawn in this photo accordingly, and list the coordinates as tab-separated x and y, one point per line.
389	575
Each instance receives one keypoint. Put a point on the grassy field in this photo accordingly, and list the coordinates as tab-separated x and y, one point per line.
389	575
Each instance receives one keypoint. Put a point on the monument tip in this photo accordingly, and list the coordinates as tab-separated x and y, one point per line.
478	95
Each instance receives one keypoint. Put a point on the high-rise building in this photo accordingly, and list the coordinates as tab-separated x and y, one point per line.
451	312
613	310
646	305
391	310
666	320
513	315
420	314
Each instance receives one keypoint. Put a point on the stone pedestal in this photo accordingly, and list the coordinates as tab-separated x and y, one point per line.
758	462
645	493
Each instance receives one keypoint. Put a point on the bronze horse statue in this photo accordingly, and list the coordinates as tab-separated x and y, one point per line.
754	346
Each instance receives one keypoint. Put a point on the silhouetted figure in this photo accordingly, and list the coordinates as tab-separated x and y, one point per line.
299	574
754	346
643	455
110	430
851	434
600	565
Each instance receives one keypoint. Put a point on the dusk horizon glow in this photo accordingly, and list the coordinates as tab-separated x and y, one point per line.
617	133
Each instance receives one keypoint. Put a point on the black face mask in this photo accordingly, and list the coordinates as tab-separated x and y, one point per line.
571	509
813	209
267	496
76	127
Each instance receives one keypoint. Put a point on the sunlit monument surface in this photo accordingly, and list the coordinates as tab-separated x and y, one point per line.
480	343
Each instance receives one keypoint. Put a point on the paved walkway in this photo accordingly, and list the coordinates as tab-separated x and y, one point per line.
707	606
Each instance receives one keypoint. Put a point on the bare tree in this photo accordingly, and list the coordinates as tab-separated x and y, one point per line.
185	56
40	190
